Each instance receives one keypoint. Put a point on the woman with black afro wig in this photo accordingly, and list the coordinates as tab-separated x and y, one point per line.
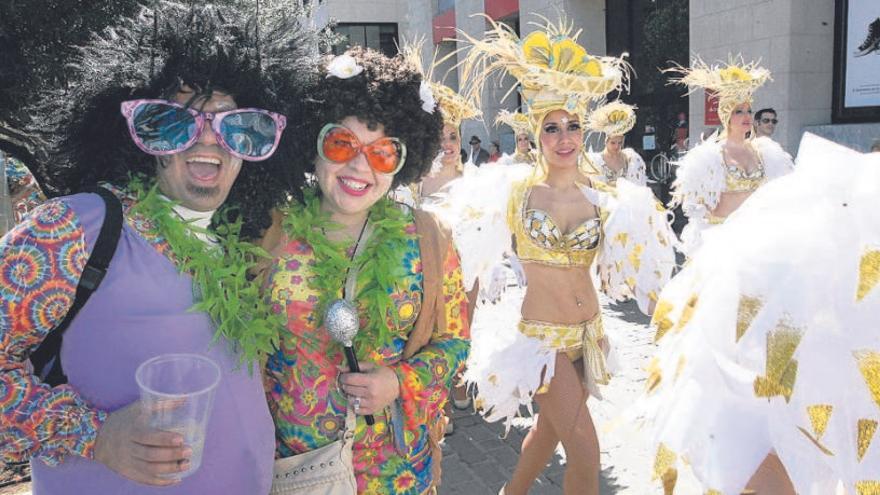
372	124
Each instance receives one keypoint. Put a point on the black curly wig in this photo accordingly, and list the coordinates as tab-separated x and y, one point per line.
385	93
262	63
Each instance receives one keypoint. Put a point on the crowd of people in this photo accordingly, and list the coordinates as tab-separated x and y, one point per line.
260	194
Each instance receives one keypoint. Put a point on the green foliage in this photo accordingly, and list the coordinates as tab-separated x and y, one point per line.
379	263
220	275
666	39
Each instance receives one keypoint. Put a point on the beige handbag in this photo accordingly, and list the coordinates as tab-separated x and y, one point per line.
325	471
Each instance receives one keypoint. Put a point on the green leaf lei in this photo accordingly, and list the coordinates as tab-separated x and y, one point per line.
220	275
379	262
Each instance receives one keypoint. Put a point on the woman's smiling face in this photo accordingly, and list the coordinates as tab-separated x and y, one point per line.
352	187
562	139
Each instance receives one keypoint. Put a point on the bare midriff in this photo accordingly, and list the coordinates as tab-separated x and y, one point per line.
729	202
553	294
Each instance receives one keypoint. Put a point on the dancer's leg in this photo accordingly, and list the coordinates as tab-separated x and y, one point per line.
564	408
770	478
537	449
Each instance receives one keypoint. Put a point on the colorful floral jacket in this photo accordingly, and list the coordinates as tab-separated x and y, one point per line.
309	409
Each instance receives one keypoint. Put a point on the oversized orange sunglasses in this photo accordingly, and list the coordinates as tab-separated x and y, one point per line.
338	144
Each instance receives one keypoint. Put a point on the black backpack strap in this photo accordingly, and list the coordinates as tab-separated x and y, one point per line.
46	359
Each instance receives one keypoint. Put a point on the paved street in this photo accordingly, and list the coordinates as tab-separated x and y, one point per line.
478	461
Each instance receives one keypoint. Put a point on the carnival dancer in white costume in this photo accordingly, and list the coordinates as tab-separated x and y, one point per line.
548	344
719	174
614	120
522	133
768	373
454	108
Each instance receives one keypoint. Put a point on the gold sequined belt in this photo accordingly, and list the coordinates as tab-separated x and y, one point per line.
576	341
715	220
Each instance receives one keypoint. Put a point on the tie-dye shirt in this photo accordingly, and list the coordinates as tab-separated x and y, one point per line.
308	408
23	188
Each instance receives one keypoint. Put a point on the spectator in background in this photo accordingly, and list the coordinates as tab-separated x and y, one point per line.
875	147
476	154
494	152
765	122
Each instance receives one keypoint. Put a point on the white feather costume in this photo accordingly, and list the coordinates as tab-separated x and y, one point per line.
635	259
768	338
701	178
633	172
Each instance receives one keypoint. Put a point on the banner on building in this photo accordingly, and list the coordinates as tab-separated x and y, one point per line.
711	108
857	61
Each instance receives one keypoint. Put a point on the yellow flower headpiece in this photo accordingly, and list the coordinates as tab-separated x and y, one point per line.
733	83
556	73
453	107
517	121
613	119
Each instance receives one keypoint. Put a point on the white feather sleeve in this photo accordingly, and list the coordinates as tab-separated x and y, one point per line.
777	161
699	179
637	254
474	208
635	171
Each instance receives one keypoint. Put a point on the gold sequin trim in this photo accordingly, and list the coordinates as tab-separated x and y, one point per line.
654	376
819	416
781	366
745	313
663	460
679	367
868	487
869	273
635	257
661	319
664	468
687	312
869	365
866	430
816	442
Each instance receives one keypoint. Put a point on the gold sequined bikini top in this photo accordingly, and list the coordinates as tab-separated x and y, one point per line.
738	180
610	174
539	239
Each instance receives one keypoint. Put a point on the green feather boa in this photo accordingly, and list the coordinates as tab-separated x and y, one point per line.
219	275
379	263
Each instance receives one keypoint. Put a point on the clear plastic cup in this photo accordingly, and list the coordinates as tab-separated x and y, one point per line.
177	393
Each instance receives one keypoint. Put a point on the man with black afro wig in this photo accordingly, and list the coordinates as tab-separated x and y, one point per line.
260	64
168	108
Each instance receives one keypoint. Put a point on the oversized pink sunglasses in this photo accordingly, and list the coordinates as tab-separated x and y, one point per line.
162	127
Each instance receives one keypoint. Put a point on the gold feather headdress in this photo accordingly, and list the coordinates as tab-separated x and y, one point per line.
453	107
734	83
556	73
613	119
517	121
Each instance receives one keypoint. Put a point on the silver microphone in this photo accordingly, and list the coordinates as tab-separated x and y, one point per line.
342	322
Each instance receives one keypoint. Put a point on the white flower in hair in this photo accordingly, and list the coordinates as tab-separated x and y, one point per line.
427	96
343	66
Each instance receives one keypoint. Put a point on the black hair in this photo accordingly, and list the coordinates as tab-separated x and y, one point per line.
386	93
260	63
762	111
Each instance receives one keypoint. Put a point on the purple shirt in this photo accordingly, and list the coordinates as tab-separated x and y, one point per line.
141	310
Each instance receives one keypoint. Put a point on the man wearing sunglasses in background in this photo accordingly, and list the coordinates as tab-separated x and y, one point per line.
201	125
765	122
